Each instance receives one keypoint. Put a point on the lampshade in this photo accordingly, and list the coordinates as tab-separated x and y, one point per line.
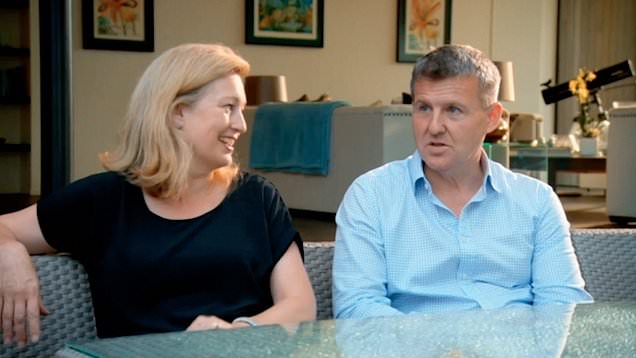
507	87
261	89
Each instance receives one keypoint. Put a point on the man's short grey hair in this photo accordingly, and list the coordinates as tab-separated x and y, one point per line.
455	61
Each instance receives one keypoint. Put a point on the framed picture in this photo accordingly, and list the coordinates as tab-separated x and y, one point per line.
284	22
125	25
422	25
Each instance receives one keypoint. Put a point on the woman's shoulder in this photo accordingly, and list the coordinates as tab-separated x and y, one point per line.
103	182
253	180
103	178
255	186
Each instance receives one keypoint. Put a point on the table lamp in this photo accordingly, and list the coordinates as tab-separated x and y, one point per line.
506	94
261	89
507	86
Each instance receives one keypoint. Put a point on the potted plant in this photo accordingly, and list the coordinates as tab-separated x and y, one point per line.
586	127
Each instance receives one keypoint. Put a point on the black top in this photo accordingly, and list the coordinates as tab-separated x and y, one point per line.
151	274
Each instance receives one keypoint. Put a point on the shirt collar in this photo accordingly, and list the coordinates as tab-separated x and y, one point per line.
416	172
489	168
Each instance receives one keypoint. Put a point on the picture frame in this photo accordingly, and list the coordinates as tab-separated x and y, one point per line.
268	23
129	26
422	24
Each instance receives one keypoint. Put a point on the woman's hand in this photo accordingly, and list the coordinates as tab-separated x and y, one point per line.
20	302
202	323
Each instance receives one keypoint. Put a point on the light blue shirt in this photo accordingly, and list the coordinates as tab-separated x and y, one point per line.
399	249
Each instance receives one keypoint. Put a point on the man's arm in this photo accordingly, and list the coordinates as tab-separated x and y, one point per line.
359	269
556	277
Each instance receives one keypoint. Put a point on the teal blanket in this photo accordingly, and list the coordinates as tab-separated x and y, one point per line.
293	137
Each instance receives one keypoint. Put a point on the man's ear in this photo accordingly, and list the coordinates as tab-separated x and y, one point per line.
494	116
176	117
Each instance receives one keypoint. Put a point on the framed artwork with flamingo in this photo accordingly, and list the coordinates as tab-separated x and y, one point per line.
422	25
123	25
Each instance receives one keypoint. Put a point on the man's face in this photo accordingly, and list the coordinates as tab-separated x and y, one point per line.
450	123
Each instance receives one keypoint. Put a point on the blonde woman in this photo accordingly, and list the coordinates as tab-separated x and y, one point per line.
173	236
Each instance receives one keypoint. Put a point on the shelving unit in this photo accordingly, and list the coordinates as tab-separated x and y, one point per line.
15	111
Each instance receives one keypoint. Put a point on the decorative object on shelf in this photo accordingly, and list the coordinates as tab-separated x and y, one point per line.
422	24
563	143
288	23
125	25
526	128
261	89
588	145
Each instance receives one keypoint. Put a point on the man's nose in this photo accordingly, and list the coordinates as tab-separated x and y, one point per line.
437	124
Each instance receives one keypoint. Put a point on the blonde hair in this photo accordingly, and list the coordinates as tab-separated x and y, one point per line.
150	153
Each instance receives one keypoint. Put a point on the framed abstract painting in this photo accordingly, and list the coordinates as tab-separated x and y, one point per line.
422	25
284	22
124	25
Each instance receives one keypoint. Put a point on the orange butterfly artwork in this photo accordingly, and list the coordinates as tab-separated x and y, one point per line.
424	24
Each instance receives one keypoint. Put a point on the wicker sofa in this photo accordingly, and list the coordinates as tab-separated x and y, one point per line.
607	258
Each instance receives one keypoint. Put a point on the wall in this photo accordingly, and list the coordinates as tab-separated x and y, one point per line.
357	63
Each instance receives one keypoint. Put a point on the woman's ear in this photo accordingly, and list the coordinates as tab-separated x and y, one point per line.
176	117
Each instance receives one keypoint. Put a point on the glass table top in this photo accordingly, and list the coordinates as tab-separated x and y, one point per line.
591	330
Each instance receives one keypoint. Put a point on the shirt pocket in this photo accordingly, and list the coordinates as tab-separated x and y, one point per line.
504	259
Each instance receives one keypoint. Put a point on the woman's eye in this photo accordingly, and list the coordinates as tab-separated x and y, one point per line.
228	108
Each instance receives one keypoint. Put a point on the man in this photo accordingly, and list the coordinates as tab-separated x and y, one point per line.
447	228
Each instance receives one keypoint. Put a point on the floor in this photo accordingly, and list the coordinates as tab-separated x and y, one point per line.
582	210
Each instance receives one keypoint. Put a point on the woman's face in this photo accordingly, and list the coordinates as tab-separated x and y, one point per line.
213	124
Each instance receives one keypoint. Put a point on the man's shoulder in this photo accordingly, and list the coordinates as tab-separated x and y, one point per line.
387	173
516	182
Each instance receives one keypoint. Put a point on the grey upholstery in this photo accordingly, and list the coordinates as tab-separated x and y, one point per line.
66	294
607	258
318	258
608	262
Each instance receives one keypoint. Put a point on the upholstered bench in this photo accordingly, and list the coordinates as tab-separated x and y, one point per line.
607	258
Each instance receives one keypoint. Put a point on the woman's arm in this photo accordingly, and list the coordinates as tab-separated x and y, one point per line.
293	296
20	303
292	293
23	226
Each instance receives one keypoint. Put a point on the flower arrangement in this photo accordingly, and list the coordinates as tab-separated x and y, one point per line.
578	87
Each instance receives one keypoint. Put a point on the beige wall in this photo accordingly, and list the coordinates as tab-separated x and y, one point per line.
357	63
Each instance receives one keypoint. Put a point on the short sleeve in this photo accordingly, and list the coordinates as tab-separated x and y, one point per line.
68	217
279	222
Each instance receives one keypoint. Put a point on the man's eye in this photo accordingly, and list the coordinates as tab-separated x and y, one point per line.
454	109
228	108
423	108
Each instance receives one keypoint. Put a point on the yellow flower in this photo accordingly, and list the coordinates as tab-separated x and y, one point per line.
578	86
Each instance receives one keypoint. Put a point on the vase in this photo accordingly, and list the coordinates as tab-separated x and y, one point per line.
588	146
603	135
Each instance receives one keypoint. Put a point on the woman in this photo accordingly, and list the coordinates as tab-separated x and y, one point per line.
173	236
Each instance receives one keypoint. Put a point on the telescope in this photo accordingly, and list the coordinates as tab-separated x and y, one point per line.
604	76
